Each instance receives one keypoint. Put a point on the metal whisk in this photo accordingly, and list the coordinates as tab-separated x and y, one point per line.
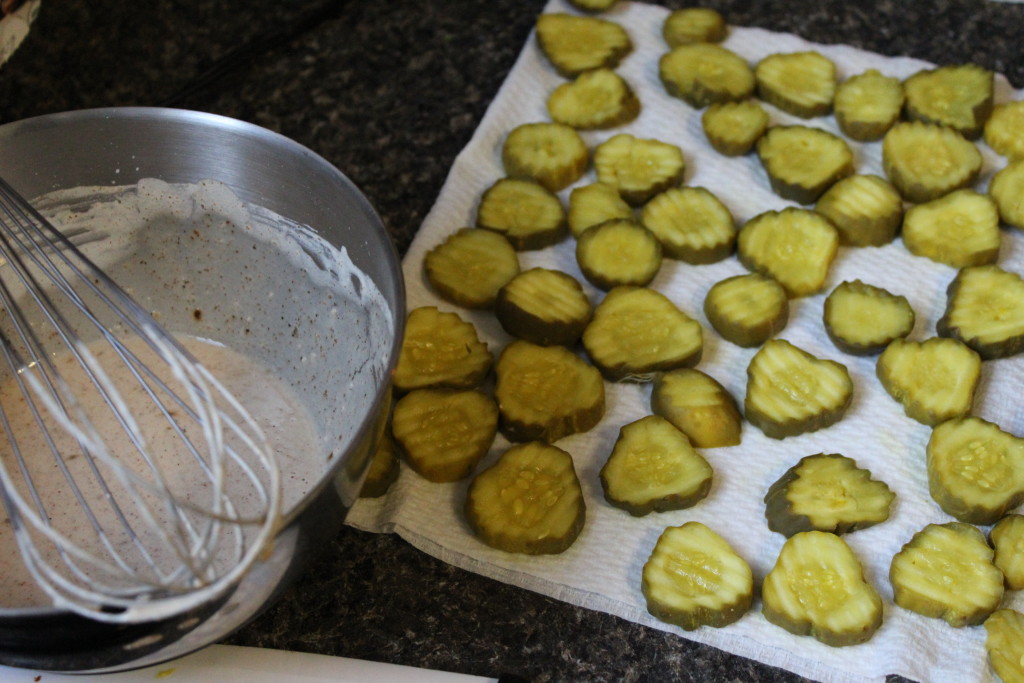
135	485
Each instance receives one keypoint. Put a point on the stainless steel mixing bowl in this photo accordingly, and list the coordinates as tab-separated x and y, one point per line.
121	146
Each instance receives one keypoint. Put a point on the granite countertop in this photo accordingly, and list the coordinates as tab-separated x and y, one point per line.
390	92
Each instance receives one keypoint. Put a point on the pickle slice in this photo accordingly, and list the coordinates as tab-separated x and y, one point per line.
867	105
592	5
699	406
705	73
975	470
817	588
1007	537
826	492
865	209
801	83
529	501
444	433
383	470
803	162
693	25
546	392
925	161
595	203
691	223
618	252
526	213
790	392
596	99
985	310
575	44
440	350
1006	188
553	154
543	306
653	468
470	266
638	167
733	128
694	578
1004	643
747	309
1004	130
955	95
637	331
958	229
794	246
946	572
934	380
862	319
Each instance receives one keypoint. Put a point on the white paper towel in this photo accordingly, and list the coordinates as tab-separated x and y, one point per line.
602	569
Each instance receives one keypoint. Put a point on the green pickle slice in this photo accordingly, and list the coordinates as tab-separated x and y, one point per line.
867	105
526	213
384	468
1004	643
801	83
618	252
802	162
705	73
817	588
866	210
794	246
1004	130
699	406
653	468
934	379
985	311
925	161
529	501
1006	188
946	572
862	319
596	99
593	204
470	266
959	229
694	578
691	223
574	44
956	95
694	25
638	168
733	128
975	470
543	306
553	154
790	392
440	350
826	492
747	310
1007	537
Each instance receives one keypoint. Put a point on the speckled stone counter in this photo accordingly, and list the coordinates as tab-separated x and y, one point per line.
390	92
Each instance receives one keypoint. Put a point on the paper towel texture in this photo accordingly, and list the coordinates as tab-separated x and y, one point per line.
602	569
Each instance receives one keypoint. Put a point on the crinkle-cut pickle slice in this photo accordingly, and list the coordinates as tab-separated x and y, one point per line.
526	213
747	309
618	252
543	306
862	319
956	95
529	501
592	204
1007	537
790	392
383	470
693	25
959	229
925	161
817	588
802	162
867	105
934	379
596	99
592	5
444	433
692	224
795	246
546	392
694	578
1004	130
1006	188
470	266
866	210
1004	643
826	492
733	128
638	167
638	331
553	154
440	350
946	572
699	406
801	83
705	73
975	470
653	468
985	310
574	44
